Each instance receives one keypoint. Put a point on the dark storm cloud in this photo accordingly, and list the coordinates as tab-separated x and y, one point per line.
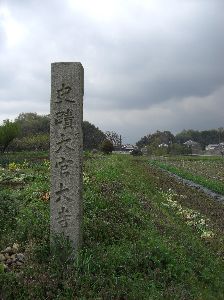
137	57
179	62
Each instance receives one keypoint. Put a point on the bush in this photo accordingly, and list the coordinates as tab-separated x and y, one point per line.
136	152
8	132
92	136
107	146
179	149
38	142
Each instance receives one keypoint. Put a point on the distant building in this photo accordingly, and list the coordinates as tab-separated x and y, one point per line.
191	143
212	147
117	147
128	148
215	149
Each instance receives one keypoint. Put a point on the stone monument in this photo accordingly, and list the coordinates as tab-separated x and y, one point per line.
66	150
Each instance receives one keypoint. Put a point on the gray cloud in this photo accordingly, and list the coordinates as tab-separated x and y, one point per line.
136	55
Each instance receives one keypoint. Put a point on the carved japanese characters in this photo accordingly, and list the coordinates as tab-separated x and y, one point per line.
66	150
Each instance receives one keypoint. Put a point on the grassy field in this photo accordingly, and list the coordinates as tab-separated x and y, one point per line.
209	167
146	236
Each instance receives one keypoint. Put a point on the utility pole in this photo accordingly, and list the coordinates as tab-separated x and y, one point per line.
120	142
220	148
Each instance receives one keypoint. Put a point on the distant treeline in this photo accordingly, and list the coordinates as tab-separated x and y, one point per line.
204	138
164	141
34	134
30	131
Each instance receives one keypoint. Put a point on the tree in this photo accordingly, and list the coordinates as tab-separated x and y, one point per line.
107	146
114	138
92	136
155	139
204	138
179	149
8	131
144	141
162	137
157	143
36	128
32	124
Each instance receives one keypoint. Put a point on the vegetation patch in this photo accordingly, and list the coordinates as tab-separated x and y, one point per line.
212	184
138	243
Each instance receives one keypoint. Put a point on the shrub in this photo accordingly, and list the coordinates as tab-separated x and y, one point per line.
8	132
136	152
39	142
179	149
107	146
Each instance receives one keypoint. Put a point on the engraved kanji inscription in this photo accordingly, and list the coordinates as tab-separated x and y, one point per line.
63	94
66	152
62	193
63	164
64	143
64	216
66	118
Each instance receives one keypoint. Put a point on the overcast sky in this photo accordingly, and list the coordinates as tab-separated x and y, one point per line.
149	64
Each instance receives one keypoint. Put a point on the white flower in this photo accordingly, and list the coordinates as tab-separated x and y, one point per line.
207	234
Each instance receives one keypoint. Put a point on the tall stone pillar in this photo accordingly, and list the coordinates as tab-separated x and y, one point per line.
66	150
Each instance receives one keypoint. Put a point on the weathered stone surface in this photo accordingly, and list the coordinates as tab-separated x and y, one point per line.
66	144
7	250
2	257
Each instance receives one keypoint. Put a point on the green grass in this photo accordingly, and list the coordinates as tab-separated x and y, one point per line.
213	185
134	247
18	157
195	158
